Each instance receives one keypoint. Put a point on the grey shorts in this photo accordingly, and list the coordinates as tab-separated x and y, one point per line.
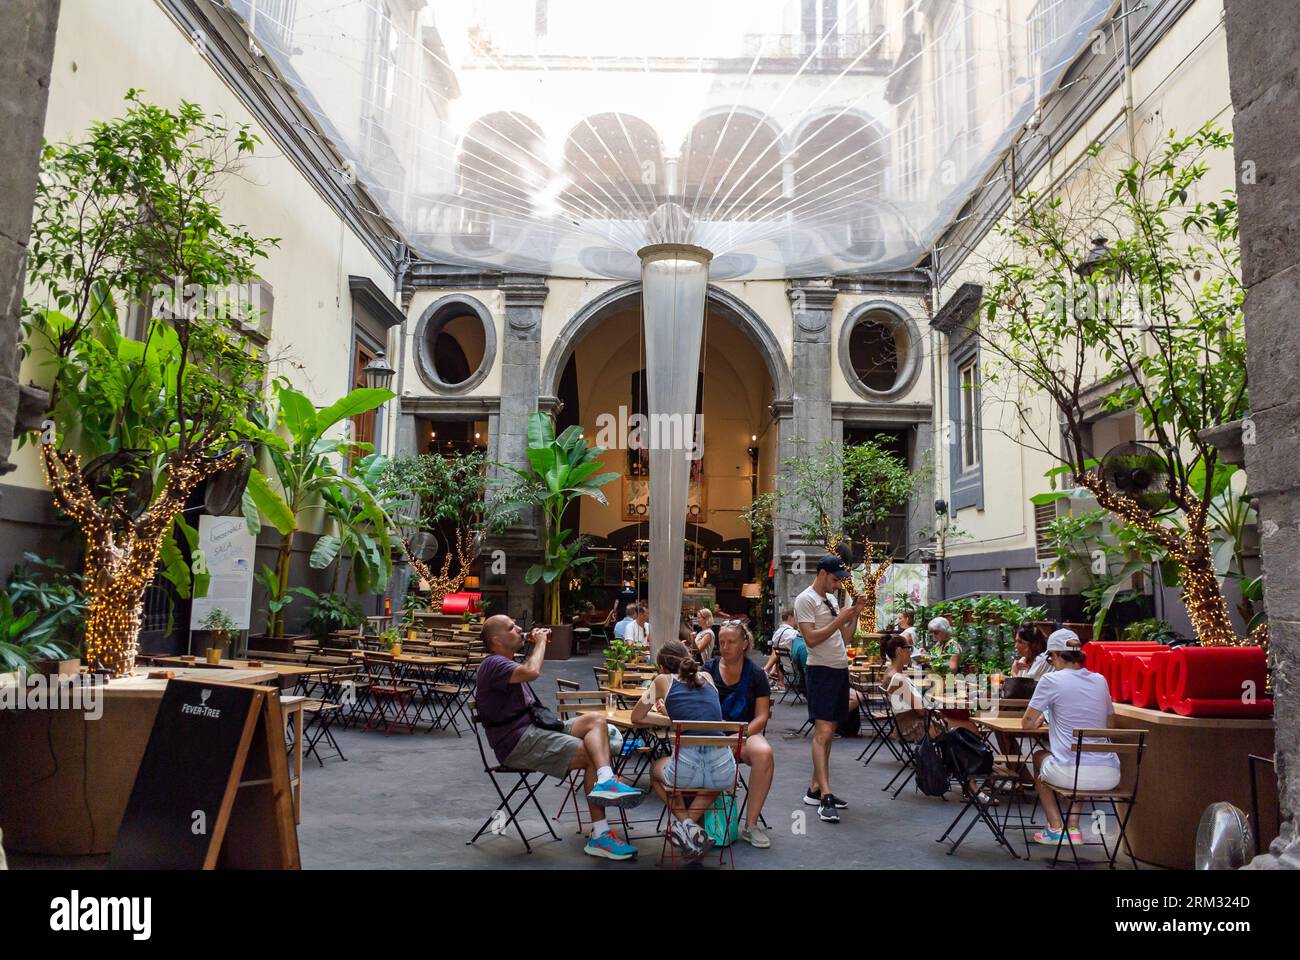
546	751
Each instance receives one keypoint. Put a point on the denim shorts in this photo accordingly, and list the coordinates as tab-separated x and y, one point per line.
701	768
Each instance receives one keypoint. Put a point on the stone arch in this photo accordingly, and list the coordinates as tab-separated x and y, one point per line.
591	314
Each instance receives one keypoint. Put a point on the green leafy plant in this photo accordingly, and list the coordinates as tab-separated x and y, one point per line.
220	624
20	644
307	467
128	216
448	505
563	469
1150	630
618	653
55	594
329	613
390	639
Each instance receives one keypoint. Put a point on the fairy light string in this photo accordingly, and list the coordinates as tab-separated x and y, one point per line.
120	563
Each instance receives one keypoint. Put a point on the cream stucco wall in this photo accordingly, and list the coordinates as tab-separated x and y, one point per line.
104	48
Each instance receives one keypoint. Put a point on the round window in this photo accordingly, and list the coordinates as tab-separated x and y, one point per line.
879	348
455	343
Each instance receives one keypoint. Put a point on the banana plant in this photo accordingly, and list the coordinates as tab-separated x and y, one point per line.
307	466
564	468
356	534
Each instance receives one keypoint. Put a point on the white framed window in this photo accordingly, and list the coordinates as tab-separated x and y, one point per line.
968	383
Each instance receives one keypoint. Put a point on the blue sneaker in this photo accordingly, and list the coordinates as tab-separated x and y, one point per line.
615	793
609	846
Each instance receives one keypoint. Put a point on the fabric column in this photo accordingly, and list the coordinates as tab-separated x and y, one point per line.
674	284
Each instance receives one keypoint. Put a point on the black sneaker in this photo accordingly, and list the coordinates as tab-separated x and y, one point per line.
839	804
813	797
827	812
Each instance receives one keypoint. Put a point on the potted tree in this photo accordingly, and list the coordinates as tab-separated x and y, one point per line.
563	469
128	216
441	507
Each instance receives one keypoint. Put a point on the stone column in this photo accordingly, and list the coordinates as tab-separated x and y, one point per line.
920	509
28	27
521	362
809	422
1263	36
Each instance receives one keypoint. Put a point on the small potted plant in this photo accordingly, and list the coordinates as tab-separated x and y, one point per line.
391	640
618	654
221	628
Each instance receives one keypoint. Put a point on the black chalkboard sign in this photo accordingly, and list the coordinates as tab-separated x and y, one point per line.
213	786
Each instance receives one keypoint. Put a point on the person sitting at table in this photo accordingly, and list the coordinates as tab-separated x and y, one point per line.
681	692
905	699
638	631
1031	654
504	702
746	696
942	644
907	630
1071	697
703	640
620	628
782	640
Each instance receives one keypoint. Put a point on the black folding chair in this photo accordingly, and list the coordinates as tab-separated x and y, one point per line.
505	815
793	683
324	709
876	714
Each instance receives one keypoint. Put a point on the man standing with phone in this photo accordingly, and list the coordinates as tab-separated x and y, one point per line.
826	630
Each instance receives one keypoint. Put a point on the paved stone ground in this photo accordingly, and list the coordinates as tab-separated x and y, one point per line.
410	801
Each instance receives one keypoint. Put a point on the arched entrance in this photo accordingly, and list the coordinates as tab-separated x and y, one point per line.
596	369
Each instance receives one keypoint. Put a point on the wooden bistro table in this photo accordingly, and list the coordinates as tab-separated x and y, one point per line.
67	778
288	673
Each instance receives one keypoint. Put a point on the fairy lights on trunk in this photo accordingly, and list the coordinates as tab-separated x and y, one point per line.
121	553
444	582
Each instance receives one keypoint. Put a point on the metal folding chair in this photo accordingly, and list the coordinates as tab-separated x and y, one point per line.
507	815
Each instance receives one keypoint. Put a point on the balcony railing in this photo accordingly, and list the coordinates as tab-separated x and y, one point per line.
843	46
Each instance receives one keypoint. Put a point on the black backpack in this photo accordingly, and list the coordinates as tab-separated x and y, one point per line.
931	774
966	754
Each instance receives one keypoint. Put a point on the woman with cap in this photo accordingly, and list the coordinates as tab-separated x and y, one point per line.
943	645
1071	698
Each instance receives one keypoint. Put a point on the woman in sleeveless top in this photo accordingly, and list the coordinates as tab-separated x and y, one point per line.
682	692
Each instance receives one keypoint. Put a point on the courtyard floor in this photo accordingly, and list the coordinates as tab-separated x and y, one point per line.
411	801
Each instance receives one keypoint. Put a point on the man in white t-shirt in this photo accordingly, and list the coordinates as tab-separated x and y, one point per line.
826	630
1070	698
638	631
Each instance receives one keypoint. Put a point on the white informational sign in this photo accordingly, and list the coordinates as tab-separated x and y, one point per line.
905	580
227	549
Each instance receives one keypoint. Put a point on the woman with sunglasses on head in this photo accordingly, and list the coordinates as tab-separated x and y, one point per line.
746	696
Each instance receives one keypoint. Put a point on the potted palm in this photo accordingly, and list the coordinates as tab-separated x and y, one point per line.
563	469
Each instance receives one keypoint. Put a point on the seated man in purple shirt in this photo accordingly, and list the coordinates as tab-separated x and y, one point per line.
504	704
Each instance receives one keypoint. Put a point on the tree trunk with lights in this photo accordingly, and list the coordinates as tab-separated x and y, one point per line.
870	581
1206	607
122	553
444	582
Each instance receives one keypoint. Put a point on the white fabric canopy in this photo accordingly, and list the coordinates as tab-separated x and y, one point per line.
793	138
